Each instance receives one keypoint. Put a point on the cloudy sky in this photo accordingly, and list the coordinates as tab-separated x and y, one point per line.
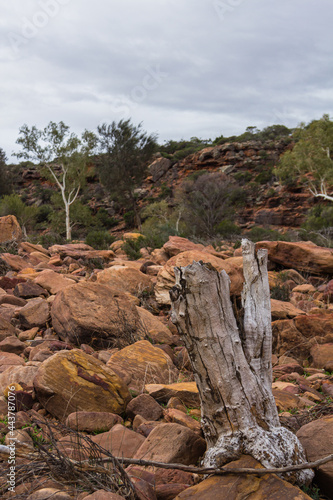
181	67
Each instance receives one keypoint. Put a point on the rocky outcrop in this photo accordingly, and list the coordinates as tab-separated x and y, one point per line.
158	168
71	381
303	256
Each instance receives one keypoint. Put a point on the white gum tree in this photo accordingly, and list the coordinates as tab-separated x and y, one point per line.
62	156
232	363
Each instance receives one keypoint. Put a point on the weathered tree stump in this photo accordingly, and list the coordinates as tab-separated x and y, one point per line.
232	365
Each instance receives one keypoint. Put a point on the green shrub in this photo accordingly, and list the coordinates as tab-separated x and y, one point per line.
103	219
227	229
44	211
49	239
195	175
264	177
132	247
243	177
100	240
258	233
280	292
166	191
129	218
319	226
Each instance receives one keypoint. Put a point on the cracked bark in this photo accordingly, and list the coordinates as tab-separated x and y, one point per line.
232	367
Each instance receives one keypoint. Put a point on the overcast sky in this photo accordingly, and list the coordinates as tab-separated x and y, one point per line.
181	67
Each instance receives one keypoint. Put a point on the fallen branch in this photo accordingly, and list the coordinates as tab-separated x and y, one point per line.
188	468
223	470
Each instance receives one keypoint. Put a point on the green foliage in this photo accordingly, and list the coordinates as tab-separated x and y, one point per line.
178	150
243	177
205	202
104	220
166	191
61	156
5	181
125	153
227	229
132	247
129	218
81	217
319	226
311	155
160	223
258	233
264	177
49	239
100	240
280	292
13	205
196	174
312	491
43	214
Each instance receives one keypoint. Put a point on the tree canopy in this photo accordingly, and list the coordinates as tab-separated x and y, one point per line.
311	158
125	152
61	155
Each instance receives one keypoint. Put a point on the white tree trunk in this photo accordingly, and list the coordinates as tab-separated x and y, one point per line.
232	365
68	222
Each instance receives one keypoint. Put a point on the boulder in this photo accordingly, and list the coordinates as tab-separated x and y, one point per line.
103	495
52	282
48	493
6	329
146	406
15	262
179	417
177	244
172	443
159	167
166	277
8	359
71	381
284	310
297	336
322	356
20	374
186	392
28	247
92	421
155	328
10	229
303	256
317	439
11	299
93	313
126	279
35	313
12	344
286	401
120	441
29	290
141	363
237	487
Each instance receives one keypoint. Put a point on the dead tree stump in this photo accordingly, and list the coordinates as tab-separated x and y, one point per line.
232	366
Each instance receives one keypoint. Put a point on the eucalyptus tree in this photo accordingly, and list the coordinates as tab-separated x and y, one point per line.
311	157
61	156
